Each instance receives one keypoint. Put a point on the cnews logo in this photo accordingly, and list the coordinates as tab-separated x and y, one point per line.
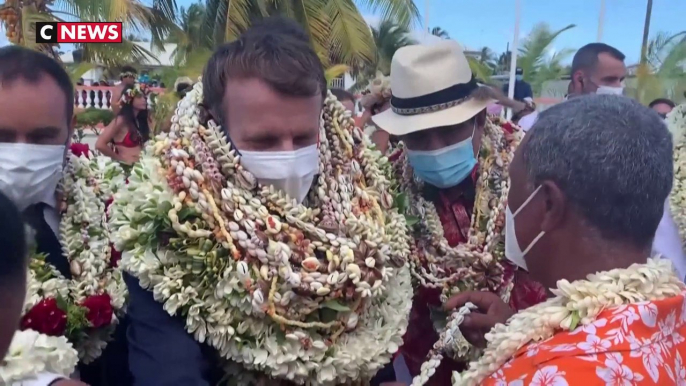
54	32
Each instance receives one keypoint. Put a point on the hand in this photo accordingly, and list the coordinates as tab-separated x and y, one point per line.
129	158
368	101
490	311
68	382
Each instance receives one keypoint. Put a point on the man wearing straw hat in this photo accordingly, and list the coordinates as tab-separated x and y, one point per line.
452	171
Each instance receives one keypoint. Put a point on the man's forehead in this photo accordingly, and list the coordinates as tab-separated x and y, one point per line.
31	105
608	63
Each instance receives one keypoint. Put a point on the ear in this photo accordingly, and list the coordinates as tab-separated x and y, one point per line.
556	206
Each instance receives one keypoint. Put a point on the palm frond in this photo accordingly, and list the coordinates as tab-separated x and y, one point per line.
350	37
403	12
335	71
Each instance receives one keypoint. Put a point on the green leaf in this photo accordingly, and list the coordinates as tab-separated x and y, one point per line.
401	202
334	305
186	213
411	220
164	208
327	315
575	321
62	303
280	336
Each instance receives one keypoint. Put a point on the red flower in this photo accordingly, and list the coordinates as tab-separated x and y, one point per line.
45	317
80	149
508	127
99	310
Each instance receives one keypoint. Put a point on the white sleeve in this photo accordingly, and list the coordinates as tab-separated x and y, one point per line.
668	243
527	121
42	379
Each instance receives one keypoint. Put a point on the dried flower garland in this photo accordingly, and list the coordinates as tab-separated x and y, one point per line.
676	122
576	303
475	264
82	310
313	293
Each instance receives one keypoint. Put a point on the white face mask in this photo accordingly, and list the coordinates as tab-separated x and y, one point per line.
608	90
512	250
29	173
290	171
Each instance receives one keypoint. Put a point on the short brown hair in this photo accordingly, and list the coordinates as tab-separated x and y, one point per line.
276	51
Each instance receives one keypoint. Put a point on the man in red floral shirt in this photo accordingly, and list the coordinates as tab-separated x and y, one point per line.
439	112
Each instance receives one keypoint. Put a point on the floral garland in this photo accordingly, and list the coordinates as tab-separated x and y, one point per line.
79	314
281	290
475	264
676	122
576	303
138	89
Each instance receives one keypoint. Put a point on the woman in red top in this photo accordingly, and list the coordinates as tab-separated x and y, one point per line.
123	138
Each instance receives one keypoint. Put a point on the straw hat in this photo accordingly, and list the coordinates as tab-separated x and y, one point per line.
431	88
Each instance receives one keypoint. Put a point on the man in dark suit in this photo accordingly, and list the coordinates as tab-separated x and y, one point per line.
35	132
523	91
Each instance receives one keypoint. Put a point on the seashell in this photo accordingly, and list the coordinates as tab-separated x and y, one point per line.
257	296
323	291
332	279
246	179
311	264
238	215
273	225
353	270
75	268
370	262
315	285
242	268
351	323
264	272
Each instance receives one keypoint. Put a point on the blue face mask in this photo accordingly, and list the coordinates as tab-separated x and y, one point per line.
519	77
444	167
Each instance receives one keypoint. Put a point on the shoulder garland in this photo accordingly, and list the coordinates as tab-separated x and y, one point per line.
676	122
67	320
474	265
314	294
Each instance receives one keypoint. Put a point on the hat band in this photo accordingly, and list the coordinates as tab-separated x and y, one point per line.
436	101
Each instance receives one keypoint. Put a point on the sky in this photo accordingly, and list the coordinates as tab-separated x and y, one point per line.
479	23
490	23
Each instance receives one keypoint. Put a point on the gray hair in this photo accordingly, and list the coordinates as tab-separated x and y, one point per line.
611	156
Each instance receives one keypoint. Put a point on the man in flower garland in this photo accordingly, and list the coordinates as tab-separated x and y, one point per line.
585	231
35	130
451	168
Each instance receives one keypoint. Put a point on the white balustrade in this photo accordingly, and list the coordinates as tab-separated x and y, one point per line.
100	97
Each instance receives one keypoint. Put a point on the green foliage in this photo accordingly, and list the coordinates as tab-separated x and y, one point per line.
92	116
534	57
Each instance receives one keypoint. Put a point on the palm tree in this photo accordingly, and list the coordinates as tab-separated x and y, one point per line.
337	28
192	37
663	72
643	70
534	56
487	57
388	38
19	17
440	32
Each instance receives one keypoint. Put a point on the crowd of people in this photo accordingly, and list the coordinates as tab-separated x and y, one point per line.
269	235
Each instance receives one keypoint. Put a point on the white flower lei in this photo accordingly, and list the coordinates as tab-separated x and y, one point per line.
32	353
316	296
676	121
86	186
85	237
576	303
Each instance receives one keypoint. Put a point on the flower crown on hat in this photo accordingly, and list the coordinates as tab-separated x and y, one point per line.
138	89
126	74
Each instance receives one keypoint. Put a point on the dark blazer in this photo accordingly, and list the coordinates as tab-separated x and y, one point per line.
161	352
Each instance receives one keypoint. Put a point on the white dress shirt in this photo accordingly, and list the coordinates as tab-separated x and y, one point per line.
42	379
527	121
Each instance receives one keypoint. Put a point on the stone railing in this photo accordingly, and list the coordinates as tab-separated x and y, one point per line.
99	97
